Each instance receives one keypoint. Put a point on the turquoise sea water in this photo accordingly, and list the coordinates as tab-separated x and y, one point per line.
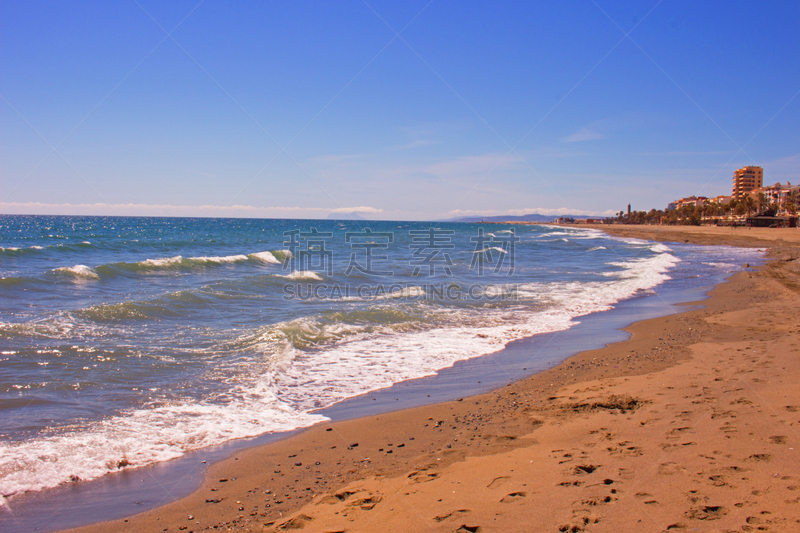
130	341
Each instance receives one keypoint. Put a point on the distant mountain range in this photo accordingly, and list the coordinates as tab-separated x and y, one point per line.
524	218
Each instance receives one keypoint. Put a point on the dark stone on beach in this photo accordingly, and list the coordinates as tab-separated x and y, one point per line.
354	445
223	480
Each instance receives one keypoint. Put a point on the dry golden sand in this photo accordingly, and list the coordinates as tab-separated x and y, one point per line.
690	425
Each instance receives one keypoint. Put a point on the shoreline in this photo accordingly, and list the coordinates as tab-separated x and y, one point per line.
425	443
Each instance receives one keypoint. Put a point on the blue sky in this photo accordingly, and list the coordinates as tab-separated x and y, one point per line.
413	110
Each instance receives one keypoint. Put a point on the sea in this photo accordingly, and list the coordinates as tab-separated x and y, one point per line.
126	342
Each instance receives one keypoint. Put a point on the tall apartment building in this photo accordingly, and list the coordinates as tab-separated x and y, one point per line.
745	180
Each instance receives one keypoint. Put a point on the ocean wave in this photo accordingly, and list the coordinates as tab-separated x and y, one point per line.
305	275
266	257
281	255
167	264
35	249
362	361
144	436
495	248
78	271
575	233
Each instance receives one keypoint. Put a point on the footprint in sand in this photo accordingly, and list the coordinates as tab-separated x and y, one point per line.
582	470
513	497
453	515
759	458
706	512
677	433
670	468
421	475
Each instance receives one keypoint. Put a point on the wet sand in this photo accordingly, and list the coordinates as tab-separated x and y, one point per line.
691	424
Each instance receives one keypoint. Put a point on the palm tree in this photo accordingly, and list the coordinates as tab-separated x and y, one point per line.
749	203
762	201
791	202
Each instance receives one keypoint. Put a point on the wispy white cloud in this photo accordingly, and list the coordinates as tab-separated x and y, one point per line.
583	134
361	209
39	208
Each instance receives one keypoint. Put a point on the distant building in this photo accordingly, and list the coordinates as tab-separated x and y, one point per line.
720	200
696	201
775	194
745	180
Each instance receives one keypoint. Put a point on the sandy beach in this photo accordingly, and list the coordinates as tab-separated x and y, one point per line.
690	425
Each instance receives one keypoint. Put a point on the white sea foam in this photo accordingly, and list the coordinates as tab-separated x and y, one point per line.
142	437
576	233
171	262
496	248
725	266
301	275
314	380
405	292
220	259
162	262
78	271
292	382
596	248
